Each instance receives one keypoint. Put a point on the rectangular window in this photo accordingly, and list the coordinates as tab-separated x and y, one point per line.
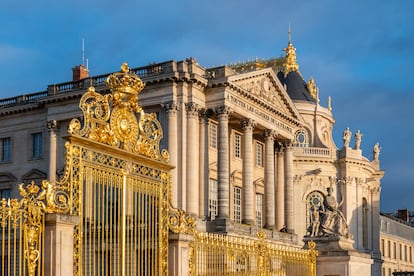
395	250
5	149
259	218
259	154
237	204
37	145
400	252
411	254
213	135
405	253
382	247
212	199
5	193
237	145
389	249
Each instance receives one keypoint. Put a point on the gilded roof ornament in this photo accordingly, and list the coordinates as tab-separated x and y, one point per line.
290	64
117	119
312	88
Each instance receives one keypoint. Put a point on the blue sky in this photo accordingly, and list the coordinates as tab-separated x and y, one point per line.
359	52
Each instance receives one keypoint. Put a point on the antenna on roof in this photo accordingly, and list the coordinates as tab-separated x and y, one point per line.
83	51
289	35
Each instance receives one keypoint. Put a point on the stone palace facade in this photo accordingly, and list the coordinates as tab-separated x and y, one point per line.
251	145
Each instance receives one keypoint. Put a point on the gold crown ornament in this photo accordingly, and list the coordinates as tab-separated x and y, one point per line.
125	81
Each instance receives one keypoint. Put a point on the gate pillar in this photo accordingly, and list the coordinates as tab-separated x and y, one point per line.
59	239
179	254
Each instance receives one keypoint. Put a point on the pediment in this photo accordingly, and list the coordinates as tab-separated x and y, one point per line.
34	175
265	86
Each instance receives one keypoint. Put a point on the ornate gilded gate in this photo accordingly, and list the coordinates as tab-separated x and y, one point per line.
118	181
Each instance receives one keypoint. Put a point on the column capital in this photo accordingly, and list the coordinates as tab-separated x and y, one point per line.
192	109
52	125
288	145
170	107
248	124
223	111
269	134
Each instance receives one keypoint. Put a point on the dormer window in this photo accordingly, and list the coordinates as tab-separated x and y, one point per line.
301	138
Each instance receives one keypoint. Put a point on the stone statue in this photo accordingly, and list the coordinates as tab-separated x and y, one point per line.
346	136
333	221
315	221
376	151
358	137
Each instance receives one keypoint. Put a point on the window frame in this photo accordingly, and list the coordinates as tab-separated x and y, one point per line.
36	153
237	145
259	154
237	204
212	135
212	198
6	155
259	210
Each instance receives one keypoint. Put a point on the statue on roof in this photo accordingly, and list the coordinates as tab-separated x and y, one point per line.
376	151
346	137
358	137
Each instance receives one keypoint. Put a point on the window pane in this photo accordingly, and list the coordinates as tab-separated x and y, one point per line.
212	199
259	207
6	193
237	145
213	136
37	147
237	204
259	155
6	149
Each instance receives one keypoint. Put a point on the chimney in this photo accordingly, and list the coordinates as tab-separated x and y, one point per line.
403	215
80	72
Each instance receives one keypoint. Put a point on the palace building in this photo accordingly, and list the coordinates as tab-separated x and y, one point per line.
252	149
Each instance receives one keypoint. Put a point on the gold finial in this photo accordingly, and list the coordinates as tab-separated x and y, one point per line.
290	64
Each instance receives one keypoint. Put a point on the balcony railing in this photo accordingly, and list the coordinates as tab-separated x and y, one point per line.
149	71
314	152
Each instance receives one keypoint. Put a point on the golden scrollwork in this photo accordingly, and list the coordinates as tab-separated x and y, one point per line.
117	119
180	222
312	88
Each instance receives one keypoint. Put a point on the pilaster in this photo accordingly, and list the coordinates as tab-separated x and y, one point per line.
280	189
289	199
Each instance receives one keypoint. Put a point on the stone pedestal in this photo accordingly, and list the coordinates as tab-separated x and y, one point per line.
59	230
178	254
336	256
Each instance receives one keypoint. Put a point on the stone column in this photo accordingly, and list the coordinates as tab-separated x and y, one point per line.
59	238
171	108
269	191
223	113
192	185
203	165
248	189
280	190
289	187
375	213
52	127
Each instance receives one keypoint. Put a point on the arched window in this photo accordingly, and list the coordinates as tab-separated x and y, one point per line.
314	201
301	138
364	223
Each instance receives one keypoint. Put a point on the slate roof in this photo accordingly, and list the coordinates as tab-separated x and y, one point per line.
296	87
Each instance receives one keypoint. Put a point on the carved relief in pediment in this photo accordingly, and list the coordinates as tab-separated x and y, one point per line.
265	89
